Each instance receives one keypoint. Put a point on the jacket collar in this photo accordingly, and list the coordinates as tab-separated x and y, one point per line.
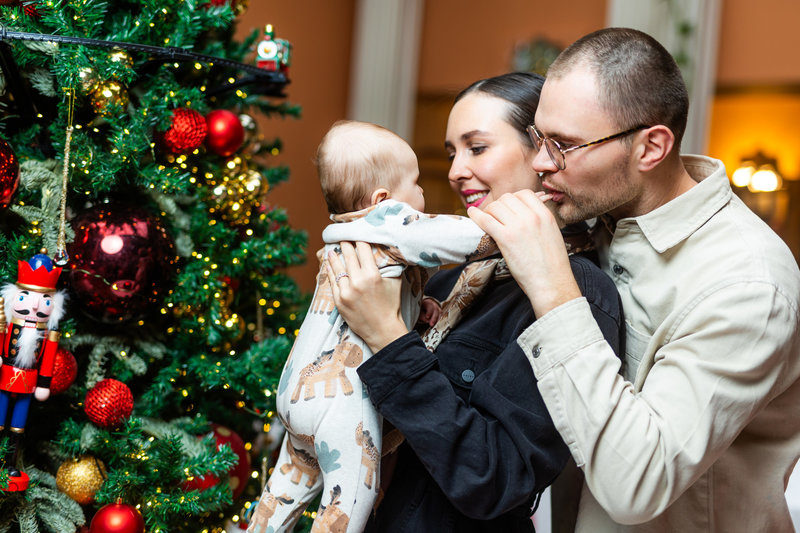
676	220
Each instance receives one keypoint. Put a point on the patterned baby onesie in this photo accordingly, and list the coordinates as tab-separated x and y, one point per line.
333	432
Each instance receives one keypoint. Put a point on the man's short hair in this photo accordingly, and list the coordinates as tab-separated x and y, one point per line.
352	161
637	78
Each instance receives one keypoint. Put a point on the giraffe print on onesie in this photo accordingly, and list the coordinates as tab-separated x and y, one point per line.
333	432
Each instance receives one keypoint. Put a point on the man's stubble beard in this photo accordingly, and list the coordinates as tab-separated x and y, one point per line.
613	193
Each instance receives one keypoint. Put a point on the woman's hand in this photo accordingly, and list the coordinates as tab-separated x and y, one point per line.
369	303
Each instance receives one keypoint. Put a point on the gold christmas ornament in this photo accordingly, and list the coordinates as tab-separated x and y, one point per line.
81	478
252	137
108	96
118	55
236	195
88	79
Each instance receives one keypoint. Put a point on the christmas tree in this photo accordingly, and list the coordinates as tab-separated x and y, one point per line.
131	158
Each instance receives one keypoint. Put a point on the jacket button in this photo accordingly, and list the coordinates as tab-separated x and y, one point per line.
468	376
536	351
618	270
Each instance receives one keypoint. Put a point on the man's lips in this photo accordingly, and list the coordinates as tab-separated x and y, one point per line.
556	195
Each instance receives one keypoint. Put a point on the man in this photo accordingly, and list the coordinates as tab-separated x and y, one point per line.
699	432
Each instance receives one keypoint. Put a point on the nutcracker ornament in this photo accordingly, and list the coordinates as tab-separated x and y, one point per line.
28	344
273	54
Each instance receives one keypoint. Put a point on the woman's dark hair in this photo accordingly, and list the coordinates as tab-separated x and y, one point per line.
520	89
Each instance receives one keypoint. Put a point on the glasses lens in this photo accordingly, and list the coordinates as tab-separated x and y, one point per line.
536	139
556	156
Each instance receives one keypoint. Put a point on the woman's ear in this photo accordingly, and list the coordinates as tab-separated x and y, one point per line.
656	145
379	195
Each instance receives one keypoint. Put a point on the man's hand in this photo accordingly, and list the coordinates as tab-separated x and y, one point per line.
531	243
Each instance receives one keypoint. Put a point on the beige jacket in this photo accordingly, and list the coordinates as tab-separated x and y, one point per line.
700	432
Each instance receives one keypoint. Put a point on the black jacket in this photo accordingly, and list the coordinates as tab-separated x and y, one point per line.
480	444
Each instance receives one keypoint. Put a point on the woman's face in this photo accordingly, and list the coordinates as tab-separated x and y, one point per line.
488	156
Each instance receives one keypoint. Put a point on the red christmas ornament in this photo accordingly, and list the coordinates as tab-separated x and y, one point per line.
238	475
31	10
187	132
9	172
65	369
201	483
225	132
122	261
238	6
117	518
108	403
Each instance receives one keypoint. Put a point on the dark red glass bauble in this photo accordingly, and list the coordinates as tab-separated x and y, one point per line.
122	262
9	173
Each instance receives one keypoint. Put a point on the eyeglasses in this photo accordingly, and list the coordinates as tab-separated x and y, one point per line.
558	154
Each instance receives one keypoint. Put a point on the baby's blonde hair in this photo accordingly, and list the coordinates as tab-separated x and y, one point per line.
353	160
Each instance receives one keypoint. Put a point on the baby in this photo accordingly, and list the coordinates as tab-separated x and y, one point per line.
369	179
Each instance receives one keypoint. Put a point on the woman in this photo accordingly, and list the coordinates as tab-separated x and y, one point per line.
479	444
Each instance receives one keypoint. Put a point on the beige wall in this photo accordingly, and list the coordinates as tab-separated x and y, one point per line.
759	42
465	40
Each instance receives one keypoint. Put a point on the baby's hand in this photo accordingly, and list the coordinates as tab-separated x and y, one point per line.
430	311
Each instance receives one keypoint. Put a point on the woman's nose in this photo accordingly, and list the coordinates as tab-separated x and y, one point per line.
458	170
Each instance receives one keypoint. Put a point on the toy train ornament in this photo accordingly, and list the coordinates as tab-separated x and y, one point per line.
273	54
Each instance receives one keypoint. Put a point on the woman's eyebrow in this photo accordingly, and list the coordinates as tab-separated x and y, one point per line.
468	135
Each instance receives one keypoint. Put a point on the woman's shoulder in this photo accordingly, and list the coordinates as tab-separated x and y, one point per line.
588	274
597	287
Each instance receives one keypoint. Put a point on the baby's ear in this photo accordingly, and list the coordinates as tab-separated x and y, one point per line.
379	195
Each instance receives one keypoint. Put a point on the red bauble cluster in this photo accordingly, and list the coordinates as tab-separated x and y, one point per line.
65	369
221	130
108	403
117	518
187	132
9	173
238	475
122	262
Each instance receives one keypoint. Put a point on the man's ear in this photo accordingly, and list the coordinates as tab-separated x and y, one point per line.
379	195
656	145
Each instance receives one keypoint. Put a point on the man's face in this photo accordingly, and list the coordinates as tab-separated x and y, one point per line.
32	306
597	179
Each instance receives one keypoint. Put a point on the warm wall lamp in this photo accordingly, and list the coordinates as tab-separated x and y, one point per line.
759	184
759	173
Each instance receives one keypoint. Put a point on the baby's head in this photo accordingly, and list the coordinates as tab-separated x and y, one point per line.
359	164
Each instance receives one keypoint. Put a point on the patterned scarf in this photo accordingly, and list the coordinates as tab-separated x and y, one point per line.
474	279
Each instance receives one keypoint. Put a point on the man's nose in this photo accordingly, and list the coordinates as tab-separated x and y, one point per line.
542	162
